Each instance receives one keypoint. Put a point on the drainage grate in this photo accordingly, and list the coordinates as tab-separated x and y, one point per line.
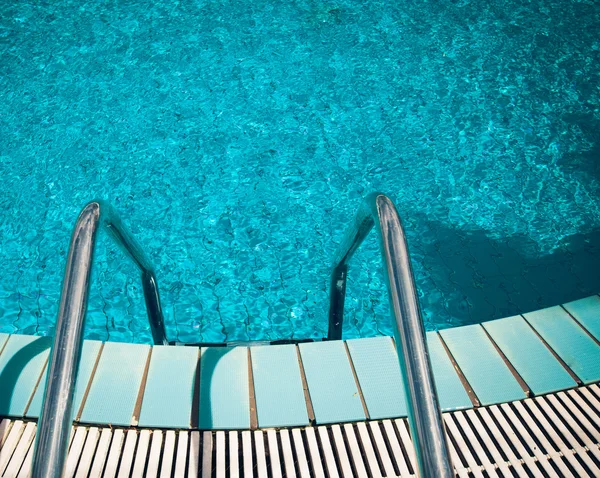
555	435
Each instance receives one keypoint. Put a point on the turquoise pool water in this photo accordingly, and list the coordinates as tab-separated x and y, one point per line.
237	138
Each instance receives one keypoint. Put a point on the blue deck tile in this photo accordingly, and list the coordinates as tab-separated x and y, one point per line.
331	383
491	379
587	313
89	354
116	384
21	365
527	353
224	388
569	341
451	392
378	370
278	386
169	390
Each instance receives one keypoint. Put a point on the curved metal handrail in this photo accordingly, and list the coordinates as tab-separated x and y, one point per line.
57	414
424	413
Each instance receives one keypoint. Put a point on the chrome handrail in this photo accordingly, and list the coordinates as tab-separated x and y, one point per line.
55	421
424	414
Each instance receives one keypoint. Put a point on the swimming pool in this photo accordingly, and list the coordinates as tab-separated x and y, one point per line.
236	139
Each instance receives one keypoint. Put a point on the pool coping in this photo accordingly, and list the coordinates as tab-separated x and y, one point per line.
335	381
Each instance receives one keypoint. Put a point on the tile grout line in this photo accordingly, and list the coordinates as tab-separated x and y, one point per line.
553	352
461	376
195	416
35	387
526	389
89	384
252	393
5	343
137	408
360	392
580	325
309	406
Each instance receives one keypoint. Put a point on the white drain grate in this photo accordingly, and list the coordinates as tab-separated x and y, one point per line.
555	435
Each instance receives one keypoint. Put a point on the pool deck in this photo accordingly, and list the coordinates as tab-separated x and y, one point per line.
337	406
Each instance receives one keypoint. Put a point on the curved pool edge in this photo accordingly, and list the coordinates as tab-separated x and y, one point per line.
319	383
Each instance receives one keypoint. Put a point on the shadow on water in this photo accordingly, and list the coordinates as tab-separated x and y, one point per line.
14	368
583	163
482	279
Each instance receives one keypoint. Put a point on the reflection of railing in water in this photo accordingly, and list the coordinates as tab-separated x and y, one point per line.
424	413
56	418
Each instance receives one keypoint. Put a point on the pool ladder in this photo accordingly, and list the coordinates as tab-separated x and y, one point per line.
376	211
57	412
